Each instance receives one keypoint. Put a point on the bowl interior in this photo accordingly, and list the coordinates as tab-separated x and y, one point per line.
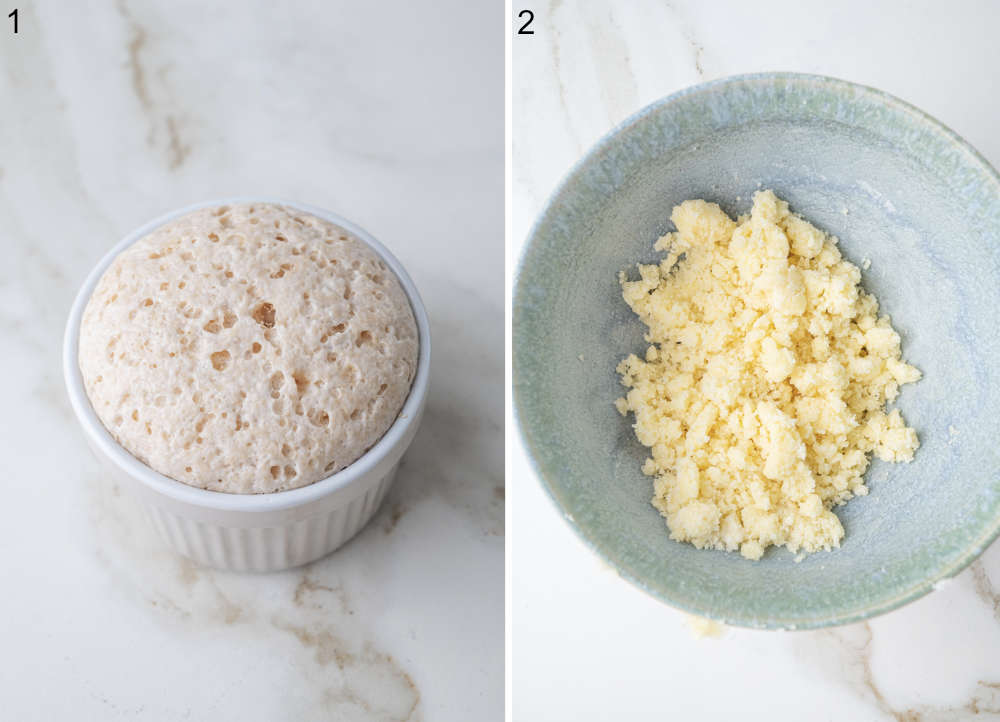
899	190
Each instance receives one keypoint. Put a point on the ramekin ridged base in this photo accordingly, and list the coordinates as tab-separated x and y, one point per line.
268	548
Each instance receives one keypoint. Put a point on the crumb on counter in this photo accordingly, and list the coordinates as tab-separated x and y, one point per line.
763	389
703	628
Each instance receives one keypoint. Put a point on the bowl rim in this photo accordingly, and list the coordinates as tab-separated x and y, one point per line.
101	438
989	533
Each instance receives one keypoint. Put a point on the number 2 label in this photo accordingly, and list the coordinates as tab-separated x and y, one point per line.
524	28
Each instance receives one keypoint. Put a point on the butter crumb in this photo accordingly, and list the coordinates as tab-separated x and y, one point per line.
703	628
762	393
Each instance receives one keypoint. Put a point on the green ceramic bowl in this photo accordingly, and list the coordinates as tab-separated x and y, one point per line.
897	188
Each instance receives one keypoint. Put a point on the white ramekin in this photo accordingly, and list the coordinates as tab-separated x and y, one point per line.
255	532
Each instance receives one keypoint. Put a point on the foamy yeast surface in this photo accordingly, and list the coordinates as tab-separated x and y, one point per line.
248	348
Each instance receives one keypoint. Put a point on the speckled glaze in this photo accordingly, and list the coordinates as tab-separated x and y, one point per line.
897	188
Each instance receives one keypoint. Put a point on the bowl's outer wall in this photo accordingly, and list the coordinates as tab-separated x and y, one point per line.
897	189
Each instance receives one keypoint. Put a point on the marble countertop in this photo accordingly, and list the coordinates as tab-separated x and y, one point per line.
115	112
586	644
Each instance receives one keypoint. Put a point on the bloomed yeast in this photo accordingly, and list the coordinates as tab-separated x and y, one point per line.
249	348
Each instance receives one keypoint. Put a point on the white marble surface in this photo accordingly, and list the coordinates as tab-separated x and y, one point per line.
586	644
390	114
